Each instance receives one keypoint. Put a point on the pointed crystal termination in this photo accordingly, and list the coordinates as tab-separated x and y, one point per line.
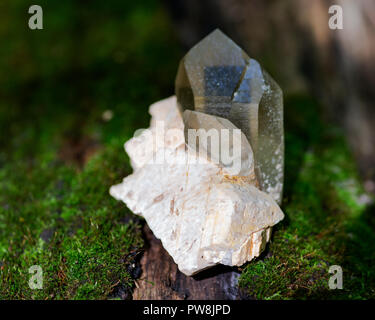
218	78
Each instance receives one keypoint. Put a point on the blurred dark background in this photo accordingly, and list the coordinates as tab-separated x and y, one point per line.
126	43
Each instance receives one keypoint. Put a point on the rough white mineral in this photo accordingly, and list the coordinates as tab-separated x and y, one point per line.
203	214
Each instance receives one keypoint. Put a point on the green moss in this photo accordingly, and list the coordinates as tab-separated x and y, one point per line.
69	225
325	222
55	209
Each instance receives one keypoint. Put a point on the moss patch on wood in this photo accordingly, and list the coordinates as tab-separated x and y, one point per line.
59	155
327	220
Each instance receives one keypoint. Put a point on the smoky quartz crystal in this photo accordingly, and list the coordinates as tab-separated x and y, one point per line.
216	77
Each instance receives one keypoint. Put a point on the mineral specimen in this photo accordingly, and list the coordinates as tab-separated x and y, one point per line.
214	199
202	215
217	77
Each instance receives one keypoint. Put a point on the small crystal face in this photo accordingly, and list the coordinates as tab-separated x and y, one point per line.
218	78
222	145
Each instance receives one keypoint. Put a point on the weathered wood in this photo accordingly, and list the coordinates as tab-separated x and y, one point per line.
161	279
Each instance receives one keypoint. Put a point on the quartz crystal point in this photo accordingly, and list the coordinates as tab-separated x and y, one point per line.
218	78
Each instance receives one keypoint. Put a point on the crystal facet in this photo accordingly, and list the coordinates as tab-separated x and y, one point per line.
218	78
213	147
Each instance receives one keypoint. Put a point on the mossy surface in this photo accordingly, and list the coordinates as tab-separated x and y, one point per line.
327	221
58	158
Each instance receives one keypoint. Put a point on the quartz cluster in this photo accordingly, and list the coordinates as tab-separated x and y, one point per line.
203	212
218	78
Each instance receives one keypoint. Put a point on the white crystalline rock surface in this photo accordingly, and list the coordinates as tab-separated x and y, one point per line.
166	115
202	215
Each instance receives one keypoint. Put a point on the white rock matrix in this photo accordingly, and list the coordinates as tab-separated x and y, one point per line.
203	214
